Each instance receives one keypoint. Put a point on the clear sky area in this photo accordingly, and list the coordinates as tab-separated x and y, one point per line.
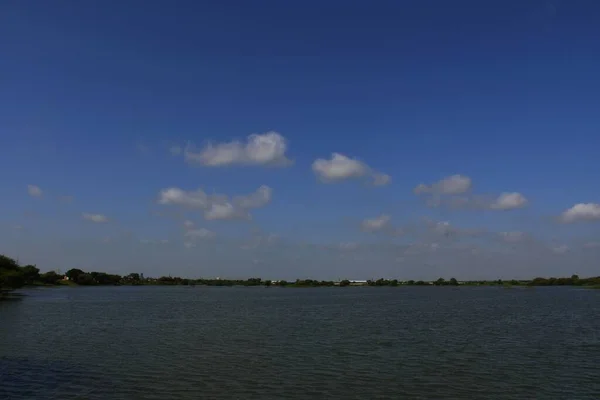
317	139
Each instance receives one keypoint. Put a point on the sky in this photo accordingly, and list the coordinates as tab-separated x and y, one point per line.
328	140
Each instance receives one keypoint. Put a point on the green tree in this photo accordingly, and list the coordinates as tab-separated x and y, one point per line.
50	278
73	274
7	263
453	282
11	274
85	279
31	274
11	279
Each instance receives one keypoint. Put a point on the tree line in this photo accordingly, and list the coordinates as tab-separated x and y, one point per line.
14	276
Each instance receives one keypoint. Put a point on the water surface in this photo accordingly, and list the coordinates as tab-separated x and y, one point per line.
286	343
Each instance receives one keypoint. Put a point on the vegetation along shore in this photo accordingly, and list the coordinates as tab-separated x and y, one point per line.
14	276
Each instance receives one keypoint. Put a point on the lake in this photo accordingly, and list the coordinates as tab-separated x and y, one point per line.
295	343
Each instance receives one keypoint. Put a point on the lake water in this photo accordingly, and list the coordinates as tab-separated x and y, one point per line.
286	343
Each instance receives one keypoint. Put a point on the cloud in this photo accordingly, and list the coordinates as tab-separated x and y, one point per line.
225	211
376	224
513	237
454	184
341	167
381	179
257	241
581	212
188	224
34	191
260	198
98	218
454	192
509	201
260	149
179	197
560	249
217	207
175	150
193	236
149	241
201	233
348	246
142	148
449	231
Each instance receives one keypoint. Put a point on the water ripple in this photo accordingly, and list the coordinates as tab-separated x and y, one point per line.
253	343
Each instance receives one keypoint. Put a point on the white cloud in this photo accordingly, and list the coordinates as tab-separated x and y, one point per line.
560	249
260	198
260	241
443	228
98	218
175	150
348	246
188	224
179	197
509	201
217	206
260	149
193	236
201	233
341	167
225	211
381	179
591	245
150	241
66	199
34	191
513	236
454	184
376	224
582	212
142	148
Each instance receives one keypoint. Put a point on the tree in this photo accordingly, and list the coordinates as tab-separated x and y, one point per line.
11	279
73	274
11	274
85	279
50	278
31	274
453	282
7	263
133	277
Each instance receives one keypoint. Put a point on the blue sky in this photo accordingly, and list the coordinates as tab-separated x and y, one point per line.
106	105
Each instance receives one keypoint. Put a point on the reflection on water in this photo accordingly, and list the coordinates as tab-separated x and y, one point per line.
283	343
